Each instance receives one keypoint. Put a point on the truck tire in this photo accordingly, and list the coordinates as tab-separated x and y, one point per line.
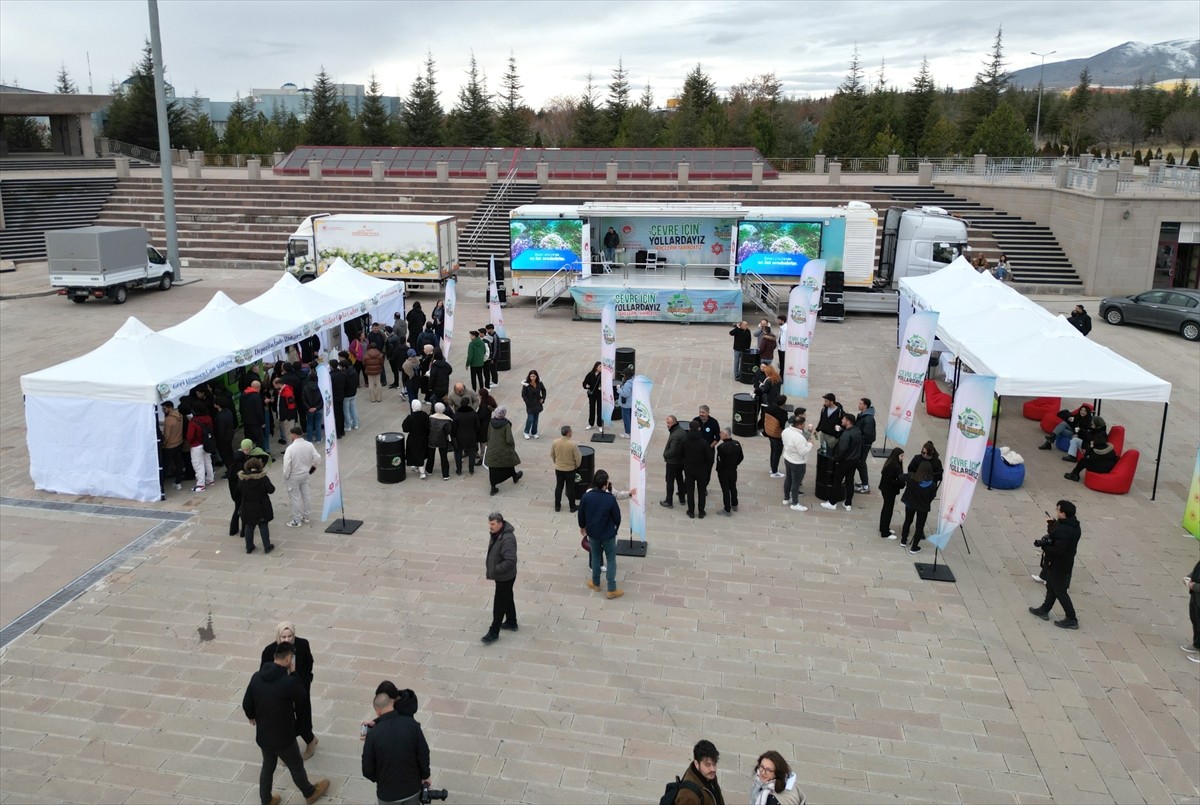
119	294
307	278
79	300
164	284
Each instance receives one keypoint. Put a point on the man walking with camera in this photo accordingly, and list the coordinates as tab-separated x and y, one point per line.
1059	546
395	756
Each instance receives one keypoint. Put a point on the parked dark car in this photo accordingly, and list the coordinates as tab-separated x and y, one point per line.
1176	309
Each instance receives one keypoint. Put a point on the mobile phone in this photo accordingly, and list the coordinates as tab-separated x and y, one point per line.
364	729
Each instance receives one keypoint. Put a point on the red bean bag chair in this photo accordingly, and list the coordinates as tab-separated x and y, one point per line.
1037	408
1116	437
1117	482
937	402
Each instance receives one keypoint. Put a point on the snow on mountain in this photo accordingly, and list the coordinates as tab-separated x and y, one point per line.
1122	65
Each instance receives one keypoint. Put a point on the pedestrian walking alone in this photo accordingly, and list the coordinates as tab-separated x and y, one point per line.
501	567
1060	544
567	458
501	458
533	394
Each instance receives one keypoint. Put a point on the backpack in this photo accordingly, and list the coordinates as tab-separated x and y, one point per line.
672	791
288	398
209	439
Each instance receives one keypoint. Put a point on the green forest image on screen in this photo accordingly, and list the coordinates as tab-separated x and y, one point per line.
541	242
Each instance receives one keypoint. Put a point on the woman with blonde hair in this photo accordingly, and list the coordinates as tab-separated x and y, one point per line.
302	668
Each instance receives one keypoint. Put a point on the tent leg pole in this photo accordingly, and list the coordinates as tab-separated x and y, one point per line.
995	446
1158	460
964	536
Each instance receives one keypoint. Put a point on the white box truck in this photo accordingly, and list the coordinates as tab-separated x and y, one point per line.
100	261
421	250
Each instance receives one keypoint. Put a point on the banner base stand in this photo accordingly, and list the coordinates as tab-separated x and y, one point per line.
343	526
934	572
606	438
881	452
630	547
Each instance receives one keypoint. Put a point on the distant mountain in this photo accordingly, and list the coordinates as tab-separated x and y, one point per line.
1121	66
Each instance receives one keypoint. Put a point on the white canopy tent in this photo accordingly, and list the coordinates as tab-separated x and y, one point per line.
343	281
91	421
996	331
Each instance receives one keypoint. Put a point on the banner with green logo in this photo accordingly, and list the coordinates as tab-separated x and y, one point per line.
642	429
608	363
1191	511
970	422
797	340
910	374
705	305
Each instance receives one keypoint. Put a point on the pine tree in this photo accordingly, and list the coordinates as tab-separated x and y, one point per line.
512	117
326	123
1001	134
132	116
591	125
642	125
917	105
64	85
22	133
940	137
1081	96
423	117
472	122
198	131
618	101
984	95
698	120
840	133
372	124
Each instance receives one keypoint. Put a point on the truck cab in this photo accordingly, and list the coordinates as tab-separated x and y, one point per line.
300	258
918	242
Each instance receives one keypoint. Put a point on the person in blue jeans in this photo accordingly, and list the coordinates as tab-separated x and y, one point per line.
533	393
599	518
625	401
314	406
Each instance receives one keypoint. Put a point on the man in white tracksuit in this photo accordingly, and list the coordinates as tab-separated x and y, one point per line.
300	460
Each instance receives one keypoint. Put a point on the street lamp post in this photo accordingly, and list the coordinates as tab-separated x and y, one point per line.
1037	127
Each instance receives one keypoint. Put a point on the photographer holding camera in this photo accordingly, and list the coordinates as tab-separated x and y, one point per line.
1059	546
396	757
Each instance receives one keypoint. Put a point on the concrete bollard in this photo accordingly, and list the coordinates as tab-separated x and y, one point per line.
377	170
254	169
980	164
819	163
1106	182
1156	166
543	172
610	172
443	173
835	173
199	156
314	170
1060	176
122	165
492	171
756	173
893	164
277	158
1085	161
925	174
1126	165
682	173
195	167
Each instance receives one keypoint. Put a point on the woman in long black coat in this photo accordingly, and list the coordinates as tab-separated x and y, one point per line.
255	490
302	668
416	444
416	323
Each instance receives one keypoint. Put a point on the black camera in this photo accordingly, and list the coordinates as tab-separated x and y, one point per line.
1044	542
430	794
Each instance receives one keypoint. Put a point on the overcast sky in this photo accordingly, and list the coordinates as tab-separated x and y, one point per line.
220	48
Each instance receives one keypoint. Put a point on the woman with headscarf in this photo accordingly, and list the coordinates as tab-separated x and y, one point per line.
441	436
416	445
302	669
502	458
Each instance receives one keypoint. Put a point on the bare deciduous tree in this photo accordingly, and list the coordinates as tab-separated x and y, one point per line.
1183	127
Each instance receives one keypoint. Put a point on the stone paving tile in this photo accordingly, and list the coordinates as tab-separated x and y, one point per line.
799	632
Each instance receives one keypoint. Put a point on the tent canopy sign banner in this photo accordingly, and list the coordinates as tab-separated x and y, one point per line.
663	305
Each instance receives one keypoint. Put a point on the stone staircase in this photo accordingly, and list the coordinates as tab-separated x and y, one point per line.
1033	252
33	206
486	234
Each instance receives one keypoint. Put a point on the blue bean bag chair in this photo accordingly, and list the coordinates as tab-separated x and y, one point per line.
1001	476
1063	442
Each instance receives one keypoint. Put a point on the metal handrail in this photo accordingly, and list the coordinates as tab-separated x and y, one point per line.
550	290
766	296
505	187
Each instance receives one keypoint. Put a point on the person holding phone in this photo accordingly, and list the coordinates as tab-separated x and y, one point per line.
1192	582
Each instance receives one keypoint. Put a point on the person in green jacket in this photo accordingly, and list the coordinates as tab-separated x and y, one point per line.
476	356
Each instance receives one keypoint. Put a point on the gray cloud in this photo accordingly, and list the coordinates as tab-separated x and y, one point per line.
220	47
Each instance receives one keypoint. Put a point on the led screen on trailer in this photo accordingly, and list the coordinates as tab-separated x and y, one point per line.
777	248
546	244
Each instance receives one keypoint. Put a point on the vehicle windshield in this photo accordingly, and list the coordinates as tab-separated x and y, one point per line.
946	252
297	248
152	254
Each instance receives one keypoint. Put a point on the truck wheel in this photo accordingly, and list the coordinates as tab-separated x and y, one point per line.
307	278
79	300
164	284
119	294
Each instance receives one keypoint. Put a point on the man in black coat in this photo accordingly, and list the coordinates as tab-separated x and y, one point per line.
697	467
830	423
1059	546
846	454
224	425
394	349
254	415
729	456
270	704
1080	320
710	429
337	385
741	343
395	755
236	462
673	458
866	427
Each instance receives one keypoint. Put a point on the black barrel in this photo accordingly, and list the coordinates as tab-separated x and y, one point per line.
504	355
389	458
749	366
745	414
626	359
823	485
587	468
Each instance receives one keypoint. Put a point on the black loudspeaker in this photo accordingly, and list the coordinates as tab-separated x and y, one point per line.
832	311
834	282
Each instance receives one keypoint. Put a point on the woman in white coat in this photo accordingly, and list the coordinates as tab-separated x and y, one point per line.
774	782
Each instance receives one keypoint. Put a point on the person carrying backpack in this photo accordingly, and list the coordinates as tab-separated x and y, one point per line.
699	785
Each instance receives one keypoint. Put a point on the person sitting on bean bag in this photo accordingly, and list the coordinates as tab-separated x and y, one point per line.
1100	457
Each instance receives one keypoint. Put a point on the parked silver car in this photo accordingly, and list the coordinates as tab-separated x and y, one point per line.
1176	309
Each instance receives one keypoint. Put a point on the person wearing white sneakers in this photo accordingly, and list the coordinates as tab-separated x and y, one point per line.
1192	582
300	461
891	484
533	394
846	454
797	444
591	385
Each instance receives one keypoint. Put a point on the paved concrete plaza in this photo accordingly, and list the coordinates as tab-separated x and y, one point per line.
799	632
